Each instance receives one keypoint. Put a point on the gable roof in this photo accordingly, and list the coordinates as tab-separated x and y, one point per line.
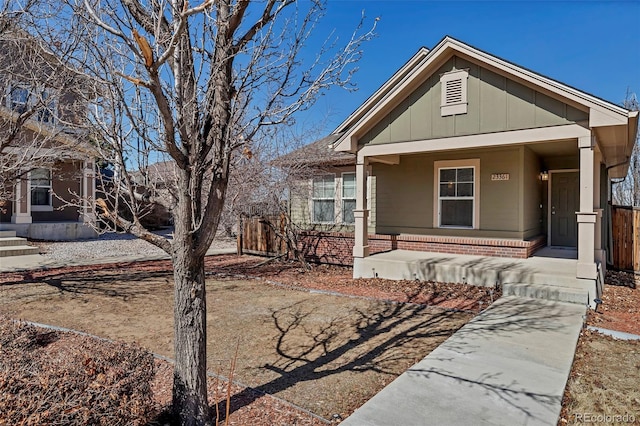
424	63
318	153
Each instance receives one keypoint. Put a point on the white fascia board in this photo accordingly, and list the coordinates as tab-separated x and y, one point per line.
539	80
385	88
606	112
516	137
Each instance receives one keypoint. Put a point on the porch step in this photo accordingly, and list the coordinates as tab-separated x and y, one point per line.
7	234
12	241
547	292
18	251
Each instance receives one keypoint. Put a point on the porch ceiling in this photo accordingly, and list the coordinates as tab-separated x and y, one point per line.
555	148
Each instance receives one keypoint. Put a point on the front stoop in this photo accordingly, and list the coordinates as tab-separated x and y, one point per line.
10	245
547	292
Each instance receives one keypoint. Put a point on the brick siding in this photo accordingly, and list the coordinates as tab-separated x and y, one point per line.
337	247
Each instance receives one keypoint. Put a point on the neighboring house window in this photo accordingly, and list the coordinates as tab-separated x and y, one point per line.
46	114
323	196
457	193
348	197
454	92
19	99
41	189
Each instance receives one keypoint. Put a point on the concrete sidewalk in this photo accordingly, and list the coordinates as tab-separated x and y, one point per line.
508	366
37	261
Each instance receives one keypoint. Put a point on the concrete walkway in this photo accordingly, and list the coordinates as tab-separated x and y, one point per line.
36	261
508	366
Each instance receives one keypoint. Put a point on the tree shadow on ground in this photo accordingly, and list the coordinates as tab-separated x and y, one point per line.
381	337
123	285
519	320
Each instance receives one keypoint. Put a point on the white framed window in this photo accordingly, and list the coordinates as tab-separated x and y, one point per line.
348	197
41	190
457	189
454	92
323	199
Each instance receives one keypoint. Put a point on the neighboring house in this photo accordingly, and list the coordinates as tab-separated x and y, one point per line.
467	153
51	199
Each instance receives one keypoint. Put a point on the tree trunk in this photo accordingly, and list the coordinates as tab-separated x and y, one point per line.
190	337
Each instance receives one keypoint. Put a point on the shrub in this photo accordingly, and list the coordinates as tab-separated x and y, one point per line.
52	377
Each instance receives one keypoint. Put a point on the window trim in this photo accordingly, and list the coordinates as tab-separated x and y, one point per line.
459	107
314	198
43	207
456	164
343	198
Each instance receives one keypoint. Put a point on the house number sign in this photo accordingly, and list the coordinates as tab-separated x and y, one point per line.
499	176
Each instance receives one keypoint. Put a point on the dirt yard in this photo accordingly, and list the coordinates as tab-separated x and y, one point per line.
603	382
326	353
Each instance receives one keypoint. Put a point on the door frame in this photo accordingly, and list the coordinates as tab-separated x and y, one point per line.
551	173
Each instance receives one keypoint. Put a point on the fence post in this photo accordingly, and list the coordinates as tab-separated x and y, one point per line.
239	238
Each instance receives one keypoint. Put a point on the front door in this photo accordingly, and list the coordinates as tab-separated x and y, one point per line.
565	202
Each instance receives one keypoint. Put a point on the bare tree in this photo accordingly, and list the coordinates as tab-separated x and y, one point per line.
197	86
626	192
39	108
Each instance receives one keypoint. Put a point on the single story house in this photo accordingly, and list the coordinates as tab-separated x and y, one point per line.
464	152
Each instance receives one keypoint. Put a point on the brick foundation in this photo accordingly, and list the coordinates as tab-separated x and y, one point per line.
337	247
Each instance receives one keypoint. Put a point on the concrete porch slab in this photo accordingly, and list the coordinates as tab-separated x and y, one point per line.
551	278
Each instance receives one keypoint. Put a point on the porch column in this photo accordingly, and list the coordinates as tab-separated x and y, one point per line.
22	203
88	192
586	217
597	208
361	213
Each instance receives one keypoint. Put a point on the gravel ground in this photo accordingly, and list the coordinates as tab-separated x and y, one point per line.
113	245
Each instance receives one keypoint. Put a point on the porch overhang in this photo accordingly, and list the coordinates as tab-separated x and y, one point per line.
485	140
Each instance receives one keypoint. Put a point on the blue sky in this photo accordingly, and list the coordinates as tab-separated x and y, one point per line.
593	46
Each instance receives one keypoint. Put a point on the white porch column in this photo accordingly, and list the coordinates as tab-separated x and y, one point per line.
361	213
22	202
88	192
586	217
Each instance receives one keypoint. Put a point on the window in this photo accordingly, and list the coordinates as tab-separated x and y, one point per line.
348	197
454	92
19	99
46	114
40	189
457	192
323	196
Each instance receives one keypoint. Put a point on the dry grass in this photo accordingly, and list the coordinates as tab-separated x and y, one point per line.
326	353
604	380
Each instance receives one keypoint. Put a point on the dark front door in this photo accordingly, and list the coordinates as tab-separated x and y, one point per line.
565	202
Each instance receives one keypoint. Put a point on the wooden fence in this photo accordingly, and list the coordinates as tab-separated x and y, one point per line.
626	238
259	235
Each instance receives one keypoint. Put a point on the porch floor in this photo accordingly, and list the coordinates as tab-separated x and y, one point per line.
550	274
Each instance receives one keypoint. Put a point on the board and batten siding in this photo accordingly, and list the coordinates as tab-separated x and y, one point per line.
404	194
495	103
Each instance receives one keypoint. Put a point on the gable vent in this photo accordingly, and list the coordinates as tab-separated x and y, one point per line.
454	92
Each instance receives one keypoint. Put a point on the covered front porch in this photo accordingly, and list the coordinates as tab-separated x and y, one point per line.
510	206
548	274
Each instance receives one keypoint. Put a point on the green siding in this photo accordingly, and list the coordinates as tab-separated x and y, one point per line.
495	104
404	194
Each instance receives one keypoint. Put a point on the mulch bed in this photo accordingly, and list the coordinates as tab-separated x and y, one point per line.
620	308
